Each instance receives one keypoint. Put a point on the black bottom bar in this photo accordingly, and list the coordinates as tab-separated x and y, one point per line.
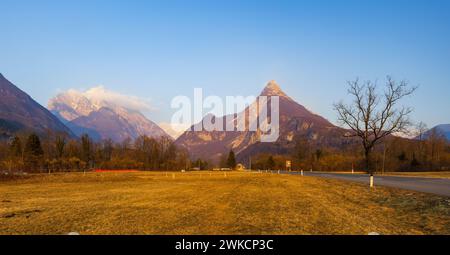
227	245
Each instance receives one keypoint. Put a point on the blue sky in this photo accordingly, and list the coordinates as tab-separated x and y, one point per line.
160	49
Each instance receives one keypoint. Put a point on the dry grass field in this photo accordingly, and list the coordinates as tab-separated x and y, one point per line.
210	203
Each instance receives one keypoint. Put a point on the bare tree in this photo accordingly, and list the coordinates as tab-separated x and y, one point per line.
373	116
420	134
421	129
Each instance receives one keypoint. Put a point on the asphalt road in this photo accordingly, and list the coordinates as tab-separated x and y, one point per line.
428	185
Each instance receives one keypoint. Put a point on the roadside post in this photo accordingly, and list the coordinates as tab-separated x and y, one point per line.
289	165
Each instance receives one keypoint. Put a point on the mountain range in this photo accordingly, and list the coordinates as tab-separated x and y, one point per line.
295	122
101	118
21	113
74	113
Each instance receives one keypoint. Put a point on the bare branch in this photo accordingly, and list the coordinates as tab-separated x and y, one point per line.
373	116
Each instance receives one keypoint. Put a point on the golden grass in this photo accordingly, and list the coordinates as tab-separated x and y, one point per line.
445	175
210	203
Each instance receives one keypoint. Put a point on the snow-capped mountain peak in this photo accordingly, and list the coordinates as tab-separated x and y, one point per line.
84	111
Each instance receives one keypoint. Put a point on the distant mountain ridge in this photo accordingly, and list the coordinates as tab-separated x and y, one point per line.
19	112
295	121
442	129
101	119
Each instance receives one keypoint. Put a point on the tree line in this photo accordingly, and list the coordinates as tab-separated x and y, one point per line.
57	153
430	153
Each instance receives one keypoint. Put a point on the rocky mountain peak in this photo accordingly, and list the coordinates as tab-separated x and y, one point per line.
273	89
84	112
295	121
21	113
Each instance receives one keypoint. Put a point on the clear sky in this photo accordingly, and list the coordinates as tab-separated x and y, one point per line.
160	49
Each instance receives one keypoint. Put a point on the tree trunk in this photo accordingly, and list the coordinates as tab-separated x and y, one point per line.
368	169
367	161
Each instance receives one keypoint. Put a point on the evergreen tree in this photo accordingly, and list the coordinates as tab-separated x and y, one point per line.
202	165
270	163
86	148
16	147
33	152
33	146
231	162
